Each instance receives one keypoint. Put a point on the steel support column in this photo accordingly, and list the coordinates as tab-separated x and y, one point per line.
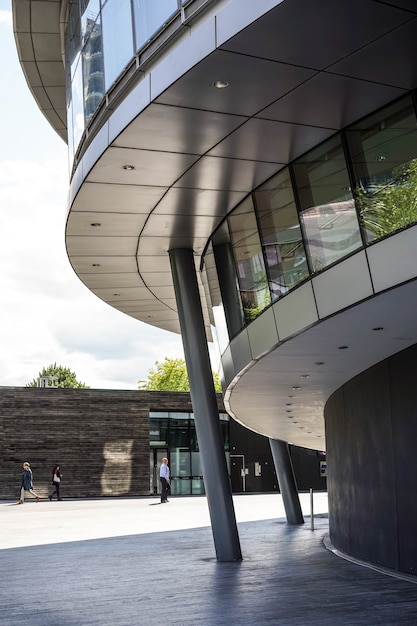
204	401
286	480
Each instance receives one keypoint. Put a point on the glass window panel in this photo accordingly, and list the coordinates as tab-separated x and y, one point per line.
150	16
77	103
383	149
180	462
181	487
198	486
93	68
90	10
73	40
249	261
196	468
328	215
179	436
117	39
282	242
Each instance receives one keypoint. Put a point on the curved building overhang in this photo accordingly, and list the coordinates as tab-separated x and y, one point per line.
38	29
178	154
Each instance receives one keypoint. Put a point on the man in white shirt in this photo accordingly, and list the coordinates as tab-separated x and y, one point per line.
164	478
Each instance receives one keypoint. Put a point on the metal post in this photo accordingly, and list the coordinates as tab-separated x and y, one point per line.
286	481
204	401
311	510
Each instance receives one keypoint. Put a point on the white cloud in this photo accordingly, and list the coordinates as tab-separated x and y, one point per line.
46	314
6	17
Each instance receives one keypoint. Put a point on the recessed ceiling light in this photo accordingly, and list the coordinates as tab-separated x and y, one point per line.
319	363
381	157
129	168
220	84
296	387
304	376
343	347
116	294
378	328
95	224
96	265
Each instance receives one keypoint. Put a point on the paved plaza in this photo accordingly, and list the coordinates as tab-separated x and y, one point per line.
126	562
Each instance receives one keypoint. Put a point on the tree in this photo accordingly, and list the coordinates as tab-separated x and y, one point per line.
171	375
66	378
389	205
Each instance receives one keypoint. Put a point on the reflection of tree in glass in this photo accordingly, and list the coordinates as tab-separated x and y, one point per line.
387	207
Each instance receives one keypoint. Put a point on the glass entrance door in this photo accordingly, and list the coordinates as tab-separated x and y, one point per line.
155	459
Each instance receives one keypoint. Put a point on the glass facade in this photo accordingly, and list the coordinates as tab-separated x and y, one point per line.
103	37
175	434
349	192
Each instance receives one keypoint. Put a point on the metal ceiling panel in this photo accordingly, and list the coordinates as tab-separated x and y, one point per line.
95	246
113	198
213	172
266	140
196	201
151	168
253	84
105	224
350	100
329	31
377	63
177	129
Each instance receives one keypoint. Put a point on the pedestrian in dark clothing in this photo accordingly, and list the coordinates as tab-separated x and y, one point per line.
27	484
56	481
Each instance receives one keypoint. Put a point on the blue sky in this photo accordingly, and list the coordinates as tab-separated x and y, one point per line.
46	314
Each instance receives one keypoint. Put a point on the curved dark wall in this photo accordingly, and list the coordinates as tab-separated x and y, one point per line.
371	436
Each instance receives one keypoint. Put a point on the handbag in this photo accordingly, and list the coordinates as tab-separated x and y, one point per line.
56	479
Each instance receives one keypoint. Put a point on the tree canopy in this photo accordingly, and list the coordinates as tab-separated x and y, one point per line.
171	375
65	378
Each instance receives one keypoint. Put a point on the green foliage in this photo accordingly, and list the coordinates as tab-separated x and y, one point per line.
392	206
66	378
171	375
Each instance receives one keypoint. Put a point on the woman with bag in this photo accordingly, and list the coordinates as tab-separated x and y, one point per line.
56	481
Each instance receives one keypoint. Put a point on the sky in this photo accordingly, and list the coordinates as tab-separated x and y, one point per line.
47	315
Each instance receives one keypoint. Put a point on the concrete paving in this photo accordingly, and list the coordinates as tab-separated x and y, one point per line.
134	561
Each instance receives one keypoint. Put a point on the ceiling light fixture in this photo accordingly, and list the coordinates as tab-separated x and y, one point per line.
343	347
296	387
378	328
95	224
305	376
96	265
129	168
220	84
319	363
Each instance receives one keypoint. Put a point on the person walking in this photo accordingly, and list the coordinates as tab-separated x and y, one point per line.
56	481
27	483
164	478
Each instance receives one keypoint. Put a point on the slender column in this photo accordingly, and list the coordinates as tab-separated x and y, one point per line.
204	401
286	481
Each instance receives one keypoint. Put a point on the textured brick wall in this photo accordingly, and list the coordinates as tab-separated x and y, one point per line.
100	438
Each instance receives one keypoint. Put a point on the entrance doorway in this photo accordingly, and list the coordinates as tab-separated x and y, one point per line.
155	459
238	473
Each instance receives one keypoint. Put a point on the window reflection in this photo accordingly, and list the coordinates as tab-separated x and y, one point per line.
93	70
176	431
384	155
284	253
117	38
149	16
328	215
247	250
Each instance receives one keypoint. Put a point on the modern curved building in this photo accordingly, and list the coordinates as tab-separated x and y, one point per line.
246	173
